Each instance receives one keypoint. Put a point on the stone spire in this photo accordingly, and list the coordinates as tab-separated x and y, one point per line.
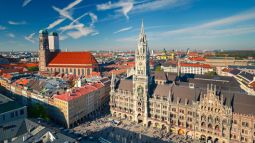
142	36
142	28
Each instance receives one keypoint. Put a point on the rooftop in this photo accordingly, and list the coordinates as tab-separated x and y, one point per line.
195	65
73	58
78	92
7	104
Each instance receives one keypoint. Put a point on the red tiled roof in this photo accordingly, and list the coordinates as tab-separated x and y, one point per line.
26	65
195	65
82	91
193	54
22	81
73	58
197	59
226	70
7	75
252	84
118	72
92	74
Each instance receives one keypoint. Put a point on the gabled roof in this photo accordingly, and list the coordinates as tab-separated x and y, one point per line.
7	104
235	71
196	58
160	75
195	65
244	104
180	92
73	58
126	84
246	75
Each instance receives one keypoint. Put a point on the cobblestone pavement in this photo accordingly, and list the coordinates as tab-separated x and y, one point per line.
125	132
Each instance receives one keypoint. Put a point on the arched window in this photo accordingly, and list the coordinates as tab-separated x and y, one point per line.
83	72
203	124
88	71
210	126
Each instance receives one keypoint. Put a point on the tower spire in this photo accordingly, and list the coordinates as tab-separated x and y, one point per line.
142	28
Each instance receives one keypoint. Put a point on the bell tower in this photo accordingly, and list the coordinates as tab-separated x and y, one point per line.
43	50
141	79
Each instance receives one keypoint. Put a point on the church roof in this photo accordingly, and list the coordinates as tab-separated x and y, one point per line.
73	58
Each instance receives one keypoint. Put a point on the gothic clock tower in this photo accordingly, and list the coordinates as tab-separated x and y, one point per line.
141	79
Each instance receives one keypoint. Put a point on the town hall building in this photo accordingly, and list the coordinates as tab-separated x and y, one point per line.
210	114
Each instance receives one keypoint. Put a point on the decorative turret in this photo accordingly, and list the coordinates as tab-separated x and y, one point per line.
53	42
43	39
113	82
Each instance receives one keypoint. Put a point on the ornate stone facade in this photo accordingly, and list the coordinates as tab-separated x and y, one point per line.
208	114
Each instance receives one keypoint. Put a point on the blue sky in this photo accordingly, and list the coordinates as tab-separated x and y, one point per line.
114	25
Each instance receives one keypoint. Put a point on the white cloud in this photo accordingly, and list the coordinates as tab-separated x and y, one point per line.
26	2
77	29
62	37
11	35
71	5
93	18
123	29
17	23
152	5
55	23
70	27
123	7
217	26
2	27
30	37
80	31
95	33
64	13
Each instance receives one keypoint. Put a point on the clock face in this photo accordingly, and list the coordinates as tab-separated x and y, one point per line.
140	63
140	90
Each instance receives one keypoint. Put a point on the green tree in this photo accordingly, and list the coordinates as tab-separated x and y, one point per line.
33	68
37	110
158	68
211	73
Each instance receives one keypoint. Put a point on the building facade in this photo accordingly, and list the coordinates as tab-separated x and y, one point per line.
51	59
12	115
189	68
206	114
74	106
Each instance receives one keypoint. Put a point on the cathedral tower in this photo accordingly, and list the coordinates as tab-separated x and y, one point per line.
141	79
43	50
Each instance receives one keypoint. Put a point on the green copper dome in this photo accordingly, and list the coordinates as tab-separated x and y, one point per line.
53	34
43	31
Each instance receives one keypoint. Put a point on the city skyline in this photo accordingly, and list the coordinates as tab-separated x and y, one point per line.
111	25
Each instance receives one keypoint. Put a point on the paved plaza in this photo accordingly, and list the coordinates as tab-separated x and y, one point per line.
125	132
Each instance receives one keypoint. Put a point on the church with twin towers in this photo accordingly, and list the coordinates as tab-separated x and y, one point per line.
154	99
